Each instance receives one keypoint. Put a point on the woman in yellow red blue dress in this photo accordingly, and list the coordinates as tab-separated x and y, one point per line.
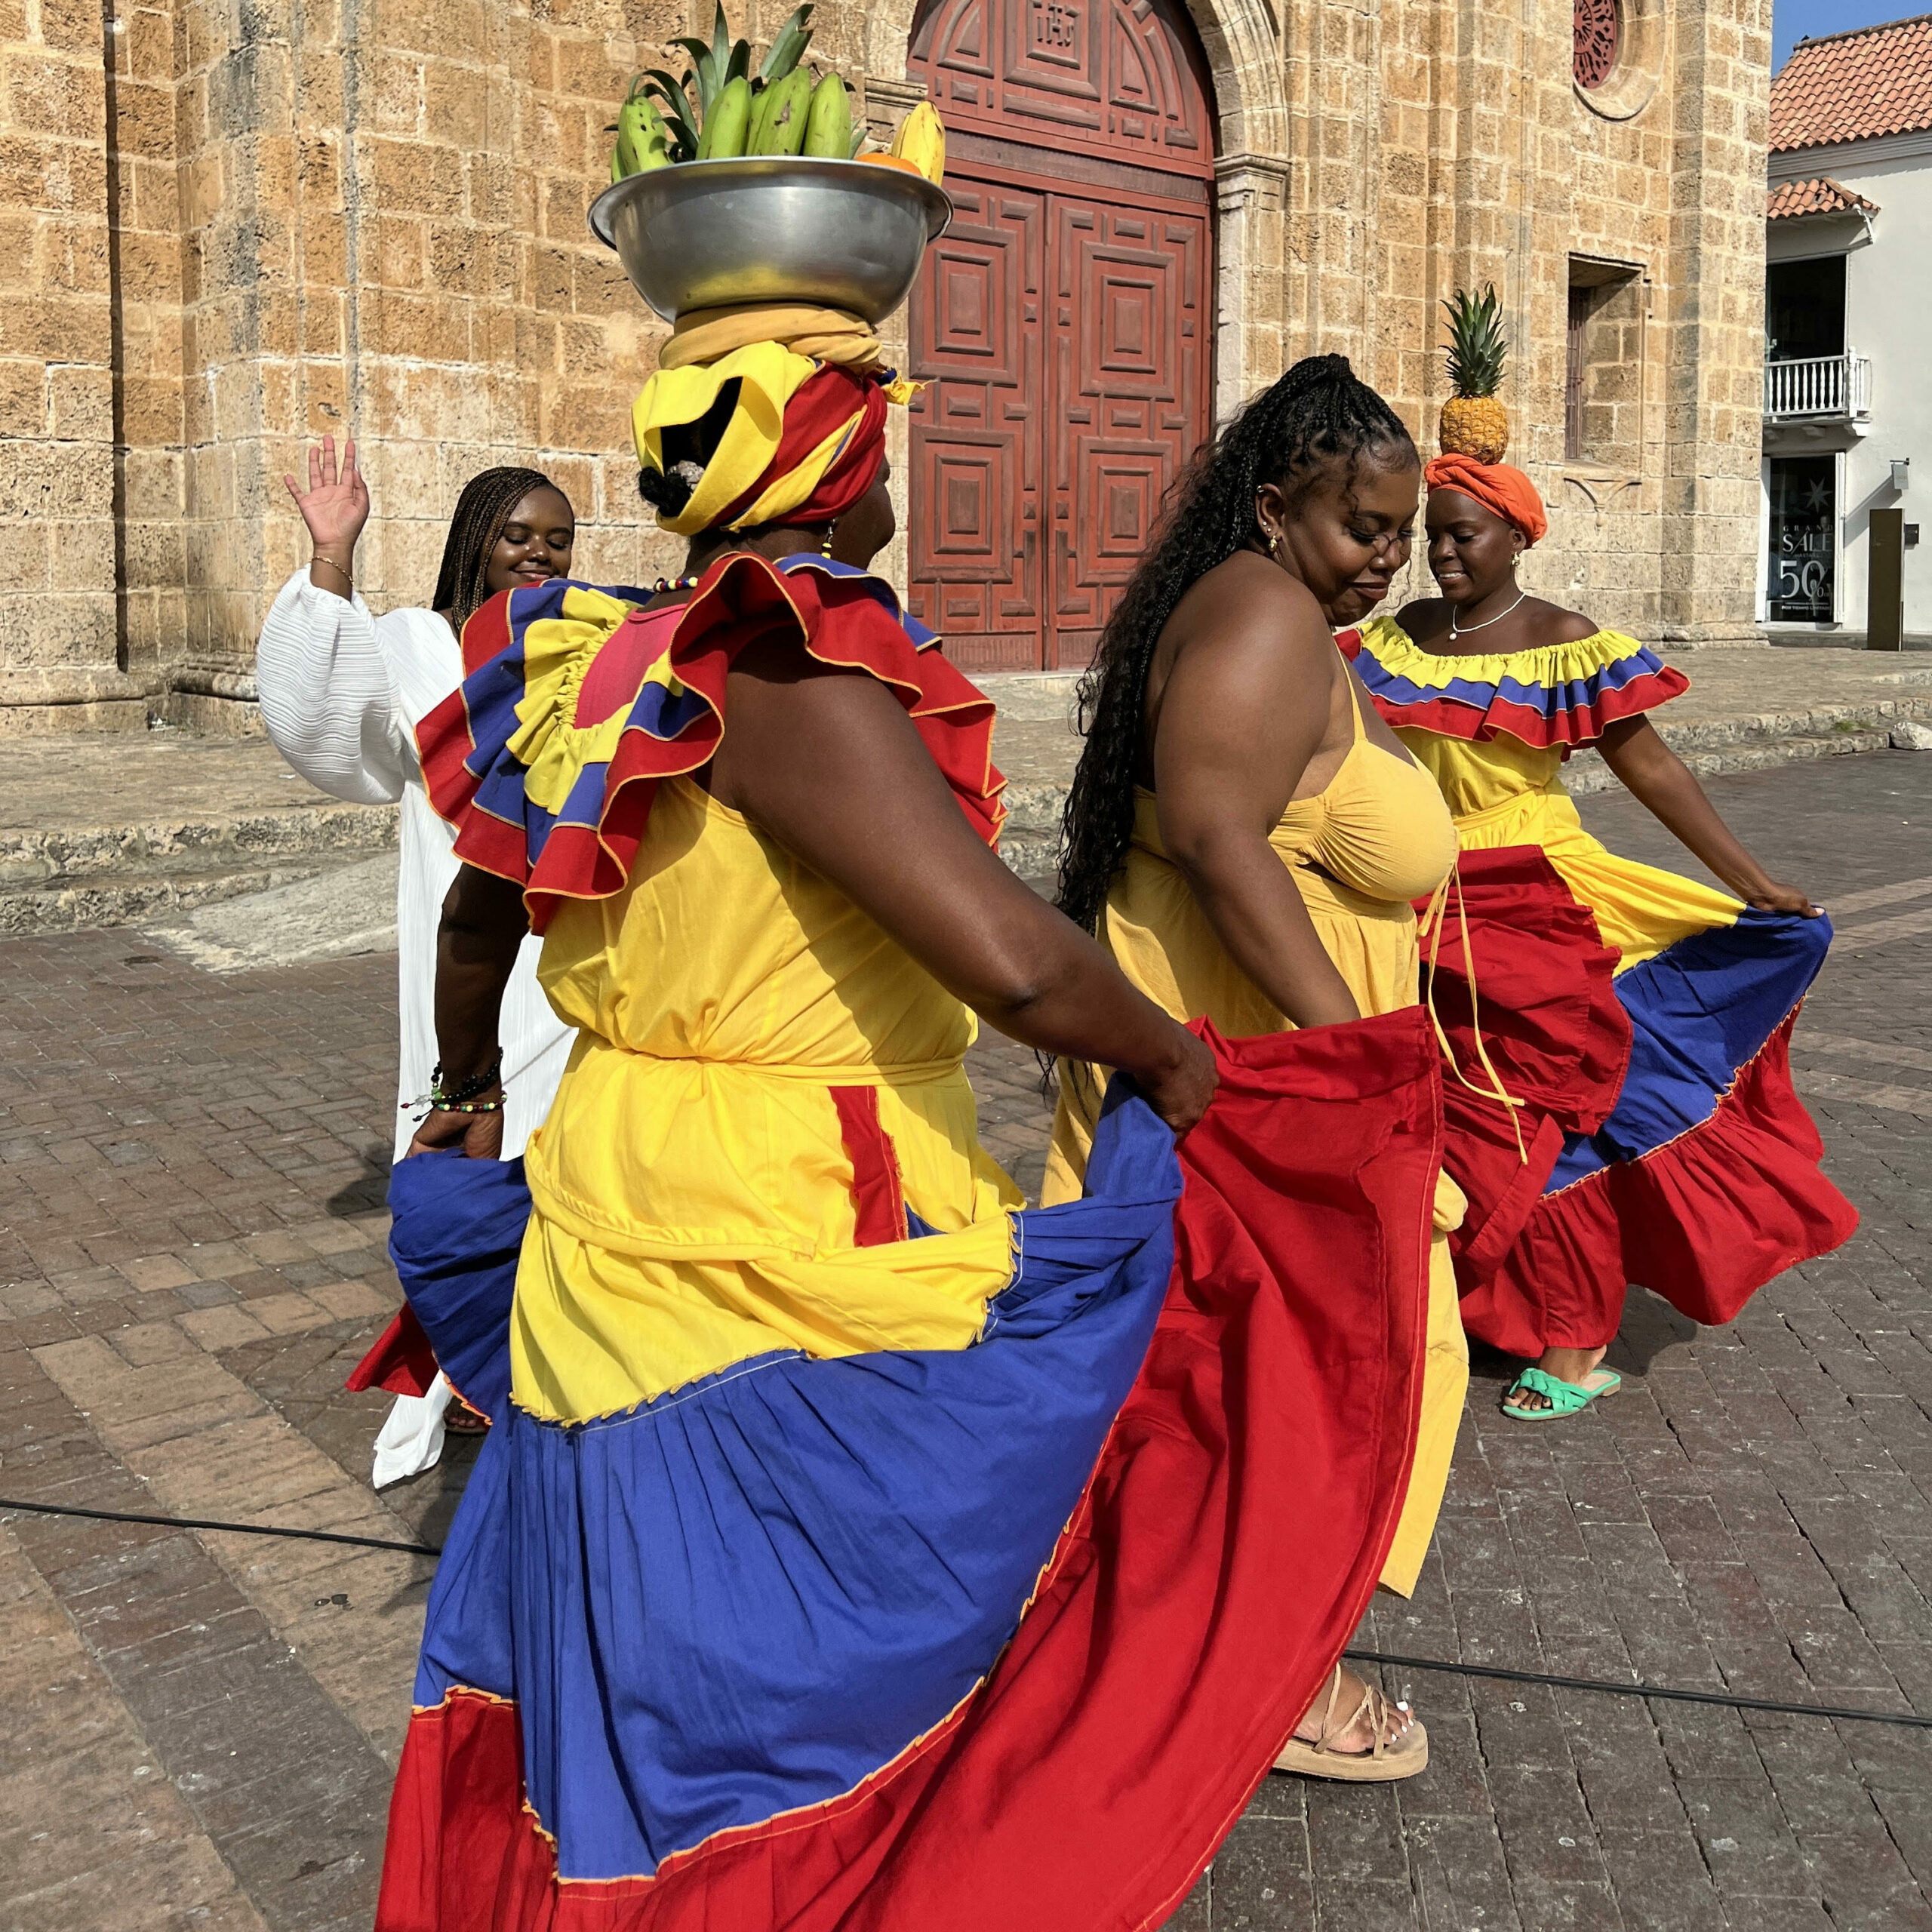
1243	834
855	1547
1696	1172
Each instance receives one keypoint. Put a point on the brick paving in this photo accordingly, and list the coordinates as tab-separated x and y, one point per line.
199	1730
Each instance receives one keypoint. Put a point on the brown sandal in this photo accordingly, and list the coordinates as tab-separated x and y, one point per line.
460	1419
1388	1759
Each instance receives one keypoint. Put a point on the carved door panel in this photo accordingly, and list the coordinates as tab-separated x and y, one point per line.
1123	79
1128	393
975	534
1063	321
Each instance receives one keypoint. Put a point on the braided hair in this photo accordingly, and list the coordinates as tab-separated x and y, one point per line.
1316	413
481	511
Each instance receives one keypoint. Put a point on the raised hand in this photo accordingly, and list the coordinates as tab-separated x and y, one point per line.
335	504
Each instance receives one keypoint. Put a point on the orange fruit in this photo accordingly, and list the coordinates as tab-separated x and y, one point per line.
895	161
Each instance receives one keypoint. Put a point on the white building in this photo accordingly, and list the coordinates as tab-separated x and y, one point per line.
1847	324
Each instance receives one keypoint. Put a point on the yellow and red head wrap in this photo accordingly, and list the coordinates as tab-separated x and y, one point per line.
1496	486
804	444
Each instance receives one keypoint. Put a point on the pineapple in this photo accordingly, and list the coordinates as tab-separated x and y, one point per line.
1473	423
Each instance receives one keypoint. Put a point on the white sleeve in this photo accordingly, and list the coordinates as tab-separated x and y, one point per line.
328	695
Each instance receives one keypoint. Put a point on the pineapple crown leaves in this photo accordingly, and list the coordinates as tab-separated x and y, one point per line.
789	48
716	64
1477	346
674	105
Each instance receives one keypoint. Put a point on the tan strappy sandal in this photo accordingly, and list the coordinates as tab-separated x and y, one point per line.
1385	1761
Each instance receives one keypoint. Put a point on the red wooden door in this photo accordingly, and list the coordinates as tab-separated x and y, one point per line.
1062	323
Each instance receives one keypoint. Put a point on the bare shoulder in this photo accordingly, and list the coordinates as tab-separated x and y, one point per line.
1424	620
1249	613
1550	624
1250	668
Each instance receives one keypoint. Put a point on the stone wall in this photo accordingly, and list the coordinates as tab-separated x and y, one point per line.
234	226
59	628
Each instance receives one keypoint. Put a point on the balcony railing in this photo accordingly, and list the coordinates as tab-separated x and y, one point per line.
1818	389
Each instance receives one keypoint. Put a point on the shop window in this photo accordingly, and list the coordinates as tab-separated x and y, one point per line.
1803	539
1604	384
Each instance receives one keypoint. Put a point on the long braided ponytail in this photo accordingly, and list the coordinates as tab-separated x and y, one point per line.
1317	413
481	512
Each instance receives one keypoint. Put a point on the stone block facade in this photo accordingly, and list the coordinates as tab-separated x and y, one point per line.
230	226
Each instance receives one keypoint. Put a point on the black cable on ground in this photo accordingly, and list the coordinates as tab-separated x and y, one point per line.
1355	1656
1639	1690
238	1529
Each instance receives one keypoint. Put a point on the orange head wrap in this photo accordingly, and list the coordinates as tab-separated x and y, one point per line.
1496	486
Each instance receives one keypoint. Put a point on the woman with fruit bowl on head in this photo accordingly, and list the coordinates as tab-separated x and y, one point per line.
341	692
1698	1176
855	1547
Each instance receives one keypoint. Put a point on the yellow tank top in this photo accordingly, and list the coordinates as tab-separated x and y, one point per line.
1375	837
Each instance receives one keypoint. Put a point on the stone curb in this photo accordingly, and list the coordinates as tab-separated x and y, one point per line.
51	860
1714	749
69	881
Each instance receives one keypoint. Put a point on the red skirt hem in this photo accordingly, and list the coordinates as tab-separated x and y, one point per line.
1706	1221
401	1359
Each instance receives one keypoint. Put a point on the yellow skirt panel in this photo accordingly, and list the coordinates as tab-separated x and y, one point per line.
688	1214
596	1331
1640	910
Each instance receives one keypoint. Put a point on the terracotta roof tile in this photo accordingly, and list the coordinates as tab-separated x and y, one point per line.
1820	196
1850	86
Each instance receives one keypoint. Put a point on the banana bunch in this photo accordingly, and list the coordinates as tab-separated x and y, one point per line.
919	146
717	109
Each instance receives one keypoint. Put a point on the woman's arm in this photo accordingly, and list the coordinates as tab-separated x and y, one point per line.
828	763
1661	782
1246	709
326	686
483	924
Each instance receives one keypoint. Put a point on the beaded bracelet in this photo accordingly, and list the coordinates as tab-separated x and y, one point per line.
463	1100
465	1090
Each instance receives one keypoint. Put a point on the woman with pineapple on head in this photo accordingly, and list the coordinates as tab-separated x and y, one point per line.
1694	1170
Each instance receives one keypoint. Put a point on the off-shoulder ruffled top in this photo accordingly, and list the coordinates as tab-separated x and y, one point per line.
1491	727
1559	694
577	703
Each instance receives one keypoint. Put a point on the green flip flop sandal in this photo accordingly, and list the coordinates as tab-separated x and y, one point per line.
1565	1398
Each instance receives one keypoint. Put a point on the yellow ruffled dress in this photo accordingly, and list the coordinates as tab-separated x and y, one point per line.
1503	791
1702	1180
1361	851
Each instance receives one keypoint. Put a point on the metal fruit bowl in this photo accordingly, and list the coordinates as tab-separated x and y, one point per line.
771	228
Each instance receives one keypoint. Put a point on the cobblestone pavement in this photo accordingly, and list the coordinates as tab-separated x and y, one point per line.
198	1730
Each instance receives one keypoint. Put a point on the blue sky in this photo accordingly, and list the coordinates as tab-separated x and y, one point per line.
1791	20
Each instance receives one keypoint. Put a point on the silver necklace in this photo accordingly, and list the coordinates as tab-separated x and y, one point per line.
1463	630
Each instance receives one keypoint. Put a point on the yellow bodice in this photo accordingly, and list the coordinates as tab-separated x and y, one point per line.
1374	838
1477	777
693	1184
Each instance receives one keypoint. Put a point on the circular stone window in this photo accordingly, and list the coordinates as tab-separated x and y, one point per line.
1597	38
1617	54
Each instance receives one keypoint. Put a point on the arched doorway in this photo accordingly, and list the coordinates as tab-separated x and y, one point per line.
1065	322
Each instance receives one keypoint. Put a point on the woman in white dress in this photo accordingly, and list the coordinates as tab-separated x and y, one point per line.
341	693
